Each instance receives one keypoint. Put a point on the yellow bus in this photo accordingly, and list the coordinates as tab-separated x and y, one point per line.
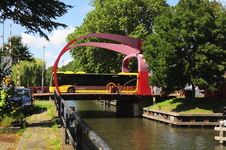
81	82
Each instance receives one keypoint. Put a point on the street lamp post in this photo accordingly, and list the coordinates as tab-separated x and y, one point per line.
2	43
2	30
43	67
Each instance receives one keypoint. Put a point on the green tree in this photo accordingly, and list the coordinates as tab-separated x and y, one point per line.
34	15
11	109
30	73
71	66
48	73
18	49
188	46
124	17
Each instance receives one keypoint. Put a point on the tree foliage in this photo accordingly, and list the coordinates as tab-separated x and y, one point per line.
188	46
18	49
48	73
30	73
9	108
123	17
71	66
34	15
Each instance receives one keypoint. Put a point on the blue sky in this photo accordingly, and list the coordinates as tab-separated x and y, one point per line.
73	18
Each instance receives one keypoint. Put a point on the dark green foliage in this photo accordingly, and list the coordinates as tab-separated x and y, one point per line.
48	73
30	73
188	46
69	67
18	49
8	107
123	17
34	15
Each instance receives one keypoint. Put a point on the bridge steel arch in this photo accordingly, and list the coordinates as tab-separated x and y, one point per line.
133	42
143	86
114	47
131	49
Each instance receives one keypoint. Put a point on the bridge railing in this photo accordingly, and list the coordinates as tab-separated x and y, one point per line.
105	89
39	89
75	136
97	89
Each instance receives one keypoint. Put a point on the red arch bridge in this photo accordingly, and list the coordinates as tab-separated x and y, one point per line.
131	47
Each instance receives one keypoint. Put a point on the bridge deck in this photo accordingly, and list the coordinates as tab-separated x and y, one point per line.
42	94
93	96
51	94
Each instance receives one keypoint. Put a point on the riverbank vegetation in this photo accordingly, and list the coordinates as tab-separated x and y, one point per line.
42	109
130	18
185	105
10	111
188	46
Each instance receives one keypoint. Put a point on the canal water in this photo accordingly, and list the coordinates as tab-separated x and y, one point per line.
129	133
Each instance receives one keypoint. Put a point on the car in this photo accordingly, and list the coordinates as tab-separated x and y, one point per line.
27	99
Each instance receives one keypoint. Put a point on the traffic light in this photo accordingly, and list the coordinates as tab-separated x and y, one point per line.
224	113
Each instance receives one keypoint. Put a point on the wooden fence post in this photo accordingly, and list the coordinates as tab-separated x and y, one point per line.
221	130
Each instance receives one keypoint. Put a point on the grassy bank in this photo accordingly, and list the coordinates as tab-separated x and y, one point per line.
6	121
44	119
185	105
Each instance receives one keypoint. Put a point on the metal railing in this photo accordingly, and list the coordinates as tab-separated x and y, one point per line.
75	135
105	89
39	89
118	89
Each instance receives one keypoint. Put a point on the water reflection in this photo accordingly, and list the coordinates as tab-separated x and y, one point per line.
123	133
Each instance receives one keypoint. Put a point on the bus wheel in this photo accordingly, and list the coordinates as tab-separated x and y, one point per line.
114	90
71	90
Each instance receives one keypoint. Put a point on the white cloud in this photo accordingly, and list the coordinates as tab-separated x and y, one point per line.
50	55
58	39
57	42
32	41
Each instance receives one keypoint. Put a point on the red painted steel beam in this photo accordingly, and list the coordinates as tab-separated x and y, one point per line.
123	49
142	66
132	47
56	64
143	86
133	42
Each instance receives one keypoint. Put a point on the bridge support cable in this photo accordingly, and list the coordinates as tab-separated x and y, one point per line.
80	124
127	84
